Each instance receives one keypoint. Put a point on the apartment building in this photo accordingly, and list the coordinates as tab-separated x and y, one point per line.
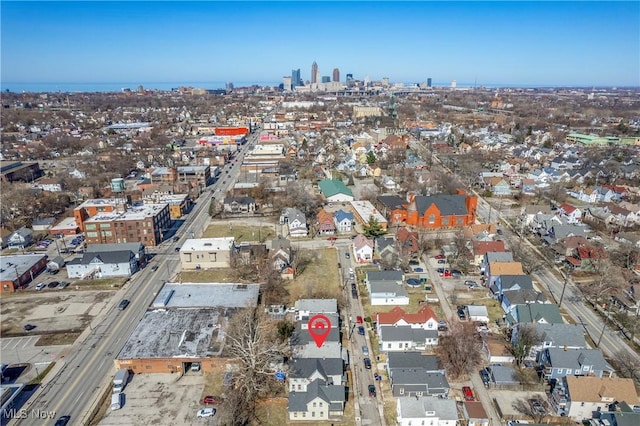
144	223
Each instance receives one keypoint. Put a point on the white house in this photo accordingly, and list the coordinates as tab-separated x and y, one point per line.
321	402
21	238
406	338
426	410
121	263
296	222
363	248
424	319
343	221
206	253
586	395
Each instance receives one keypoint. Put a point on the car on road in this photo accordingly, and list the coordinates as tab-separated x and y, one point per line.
63	284
372	391
177	249
123	304
207	412
365	350
40	286
29	327
53	284
361	330
484	375
468	393
347	255
175	239
367	363
154	268
211	399
62	421
359	319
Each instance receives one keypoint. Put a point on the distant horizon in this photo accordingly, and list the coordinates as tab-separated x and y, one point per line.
546	44
119	86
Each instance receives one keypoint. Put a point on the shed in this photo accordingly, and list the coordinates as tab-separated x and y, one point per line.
478	313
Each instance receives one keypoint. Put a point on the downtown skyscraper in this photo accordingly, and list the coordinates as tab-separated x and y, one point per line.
336	74
295	78
315	73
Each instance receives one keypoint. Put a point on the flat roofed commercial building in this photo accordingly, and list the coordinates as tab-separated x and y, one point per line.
206	253
17	271
185	325
144	223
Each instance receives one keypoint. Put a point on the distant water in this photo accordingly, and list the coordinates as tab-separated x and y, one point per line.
18	87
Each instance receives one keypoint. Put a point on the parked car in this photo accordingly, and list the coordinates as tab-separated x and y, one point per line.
359	319
442	261
347	255
440	271
471	284
154	268
40	286
207	412
63	284
440	256
414	262
537	406
361	330
461	314
468	393
211	399
29	327
365	350
367	363
53	284
484	375
123	304
442	325
372	391
418	270
456	273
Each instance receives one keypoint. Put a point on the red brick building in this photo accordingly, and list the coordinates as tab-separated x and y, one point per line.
437	211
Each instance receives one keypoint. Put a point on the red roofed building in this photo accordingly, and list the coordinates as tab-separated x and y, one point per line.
425	318
480	248
571	213
408	241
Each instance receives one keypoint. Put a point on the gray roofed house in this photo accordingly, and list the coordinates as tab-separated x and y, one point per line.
558	232
303	345
303	371
406	338
412	383
565	336
20	238
414	361
384	246
120	263
511	298
427	410
511	282
387	293
544	313
387	203
296	222
503	375
495	256
137	248
305	307
319	402
449	205
239	205
558	363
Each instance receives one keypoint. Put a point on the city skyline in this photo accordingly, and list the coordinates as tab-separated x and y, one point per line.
484	43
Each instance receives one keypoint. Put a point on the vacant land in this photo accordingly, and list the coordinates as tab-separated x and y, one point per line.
319	277
241	232
224	275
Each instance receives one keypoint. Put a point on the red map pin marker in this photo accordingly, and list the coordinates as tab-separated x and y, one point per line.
319	328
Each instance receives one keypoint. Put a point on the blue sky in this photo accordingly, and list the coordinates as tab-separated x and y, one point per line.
528	43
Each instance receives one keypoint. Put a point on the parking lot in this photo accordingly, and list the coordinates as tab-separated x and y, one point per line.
160	399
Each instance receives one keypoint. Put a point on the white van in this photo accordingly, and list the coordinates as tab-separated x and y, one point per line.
116	401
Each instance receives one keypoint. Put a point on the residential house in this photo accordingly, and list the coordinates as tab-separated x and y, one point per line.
427	410
565	336
511	282
239	205
498	186
496	269
296	222
474	414
112	264
579	397
416	374
5	234
424	319
587	258
335	191
49	184
509	299
363	248
304	308
43	224
281	254
21	239
496	350
326	225
557	232
343	221
547	313
477	313
560	362
206	253
437	211
503	375
304	371
386	288
406	338
480	248
303	345
495	256
321	402
408	242
388	203
571	213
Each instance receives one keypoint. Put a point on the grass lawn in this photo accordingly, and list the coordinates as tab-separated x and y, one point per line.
320	277
390	411
213	383
65	338
272	412
241	233
98	284
224	275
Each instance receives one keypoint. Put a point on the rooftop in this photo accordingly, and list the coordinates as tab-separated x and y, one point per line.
137	212
206	295
207	244
173	333
18	262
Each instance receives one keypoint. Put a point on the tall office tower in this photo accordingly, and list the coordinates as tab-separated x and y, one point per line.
429	82
286	83
385	81
454	84
336	74
229	86
315	73
326	79
350	80
295	78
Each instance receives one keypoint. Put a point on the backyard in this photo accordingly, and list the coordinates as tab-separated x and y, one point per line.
241	232
319	277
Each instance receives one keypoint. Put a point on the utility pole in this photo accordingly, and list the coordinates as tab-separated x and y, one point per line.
564	286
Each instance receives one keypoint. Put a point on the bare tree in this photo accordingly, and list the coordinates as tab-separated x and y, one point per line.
607	281
524	406
530	262
253	342
460	349
526	338
627	365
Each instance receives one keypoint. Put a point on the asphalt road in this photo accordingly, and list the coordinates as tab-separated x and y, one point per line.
81	378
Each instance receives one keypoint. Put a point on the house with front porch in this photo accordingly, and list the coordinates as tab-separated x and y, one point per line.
426	410
558	363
